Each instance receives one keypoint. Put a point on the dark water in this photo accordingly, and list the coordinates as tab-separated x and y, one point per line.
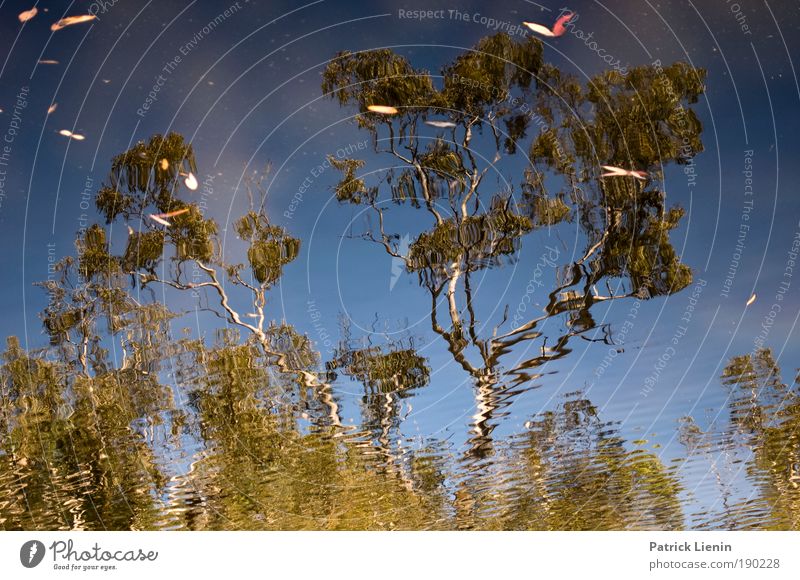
401	324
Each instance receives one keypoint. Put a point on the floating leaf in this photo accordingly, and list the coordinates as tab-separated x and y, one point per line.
190	181
158	219
440	124
28	14
71	135
382	109
70	20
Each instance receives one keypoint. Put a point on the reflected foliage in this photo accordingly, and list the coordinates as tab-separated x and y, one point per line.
501	101
762	432
126	421
572	471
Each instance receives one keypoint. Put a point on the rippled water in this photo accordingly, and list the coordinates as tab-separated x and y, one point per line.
235	447
454	314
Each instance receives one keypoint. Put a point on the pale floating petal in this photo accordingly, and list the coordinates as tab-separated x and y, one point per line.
173	213
70	20
28	14
558	27
440	124
191	181
52	108
751	300
48	61
382	109
619	172
158	219
164	165
539	29
71	135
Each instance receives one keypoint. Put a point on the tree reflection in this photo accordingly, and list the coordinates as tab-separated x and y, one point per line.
572	471
762	433
118	424
494	96
77	452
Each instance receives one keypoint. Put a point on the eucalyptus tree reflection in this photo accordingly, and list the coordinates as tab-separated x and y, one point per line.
84	436
261	470
97	417
389	375
147	178
268	458
493	96
763	432
78	430
75	449
571	471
